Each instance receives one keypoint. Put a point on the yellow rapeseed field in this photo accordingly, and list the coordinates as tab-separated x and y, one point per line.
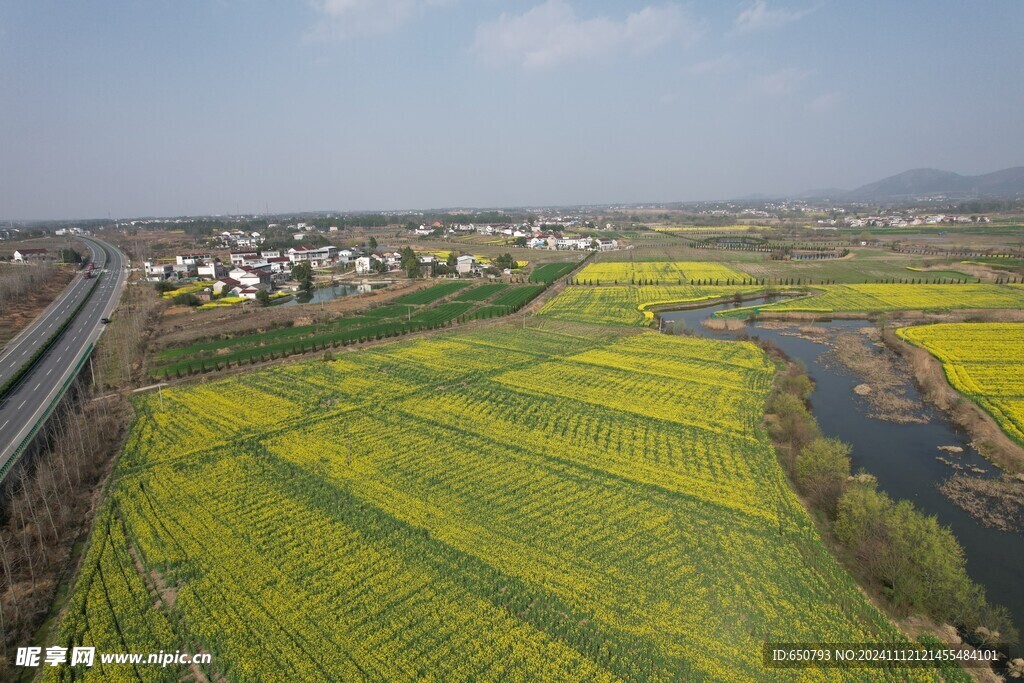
984	361
898	297
660	273
504	505
629	305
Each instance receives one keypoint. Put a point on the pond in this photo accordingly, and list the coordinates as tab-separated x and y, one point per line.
333	292
904	457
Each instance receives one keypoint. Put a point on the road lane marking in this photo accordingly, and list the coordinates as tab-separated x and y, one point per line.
48	372
22	404
37	386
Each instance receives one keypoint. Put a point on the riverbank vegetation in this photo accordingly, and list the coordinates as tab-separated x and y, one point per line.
912	562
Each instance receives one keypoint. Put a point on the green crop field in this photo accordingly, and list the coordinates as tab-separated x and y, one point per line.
542	504
481	293
549	272
517	296
432	293
390	320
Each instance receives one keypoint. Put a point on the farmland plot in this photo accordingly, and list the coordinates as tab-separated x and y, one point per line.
984	361
448	509
659	273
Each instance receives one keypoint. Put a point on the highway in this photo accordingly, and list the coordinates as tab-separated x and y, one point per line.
37	392
19	350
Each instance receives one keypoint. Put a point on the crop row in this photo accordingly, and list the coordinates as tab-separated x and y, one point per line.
982	361
658	273
896	297
432	293
392	320
532	505
549	272
482	292
628	305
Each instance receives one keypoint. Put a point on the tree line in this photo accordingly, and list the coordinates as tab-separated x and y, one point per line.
913	561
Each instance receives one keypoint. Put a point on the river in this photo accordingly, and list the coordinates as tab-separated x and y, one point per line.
902	456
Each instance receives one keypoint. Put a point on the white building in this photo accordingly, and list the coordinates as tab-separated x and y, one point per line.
157	271
364	265
212	270
25	255
464	265
240	257
192	259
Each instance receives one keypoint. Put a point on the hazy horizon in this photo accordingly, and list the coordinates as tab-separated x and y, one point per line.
205	107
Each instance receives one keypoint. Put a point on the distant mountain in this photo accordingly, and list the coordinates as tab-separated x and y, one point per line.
822	193
929	181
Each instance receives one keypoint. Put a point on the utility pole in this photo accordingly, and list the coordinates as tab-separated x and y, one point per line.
160	392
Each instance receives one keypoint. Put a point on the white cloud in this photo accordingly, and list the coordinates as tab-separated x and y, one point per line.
715	66
826	102
552	33
758	17
348	18
778	83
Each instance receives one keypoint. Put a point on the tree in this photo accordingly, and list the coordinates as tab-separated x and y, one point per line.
164	286
410	262
918	562
791	425
506	261
69	255
452	261
186	300
821	471
372	242
303	273
263	297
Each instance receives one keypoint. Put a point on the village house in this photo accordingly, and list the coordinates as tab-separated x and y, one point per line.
213	270
318	258
280	264
225	285
192	259
251	291
427	264
240	257
26	255
465	265
155	272
364	265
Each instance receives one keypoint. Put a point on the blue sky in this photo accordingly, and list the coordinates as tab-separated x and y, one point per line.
172	107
